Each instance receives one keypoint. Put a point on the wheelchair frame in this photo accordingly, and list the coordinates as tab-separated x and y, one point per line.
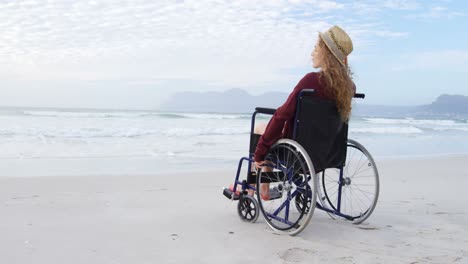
334	211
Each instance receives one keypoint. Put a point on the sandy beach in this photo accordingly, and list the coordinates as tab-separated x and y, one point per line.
421	217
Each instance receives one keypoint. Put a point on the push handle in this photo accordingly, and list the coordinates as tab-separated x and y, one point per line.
263	110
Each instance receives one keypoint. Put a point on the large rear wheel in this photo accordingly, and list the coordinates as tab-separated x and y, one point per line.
287	174
354	195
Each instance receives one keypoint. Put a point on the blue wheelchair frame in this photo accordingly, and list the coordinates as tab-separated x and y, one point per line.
286	204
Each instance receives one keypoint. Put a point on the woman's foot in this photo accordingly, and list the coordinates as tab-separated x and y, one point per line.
265	191
239	190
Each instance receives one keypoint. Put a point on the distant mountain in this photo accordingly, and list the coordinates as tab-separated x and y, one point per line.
449	104
231	101
445	106
240	101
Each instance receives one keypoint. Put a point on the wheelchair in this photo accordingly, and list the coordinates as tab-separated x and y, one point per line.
318	168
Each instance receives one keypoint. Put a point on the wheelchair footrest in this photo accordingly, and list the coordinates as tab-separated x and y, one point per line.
230	194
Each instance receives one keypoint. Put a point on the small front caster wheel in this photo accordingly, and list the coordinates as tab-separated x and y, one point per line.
248	209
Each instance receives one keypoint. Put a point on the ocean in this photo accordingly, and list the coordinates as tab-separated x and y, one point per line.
63	142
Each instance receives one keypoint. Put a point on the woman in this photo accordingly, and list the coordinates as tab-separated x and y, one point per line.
333	81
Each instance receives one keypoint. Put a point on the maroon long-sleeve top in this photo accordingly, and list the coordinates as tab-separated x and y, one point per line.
282	123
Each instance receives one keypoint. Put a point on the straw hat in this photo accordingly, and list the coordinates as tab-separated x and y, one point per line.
338	42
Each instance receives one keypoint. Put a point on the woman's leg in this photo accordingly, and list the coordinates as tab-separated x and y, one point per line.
265	187
260	128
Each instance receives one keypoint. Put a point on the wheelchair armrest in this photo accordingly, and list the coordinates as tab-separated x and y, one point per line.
263	110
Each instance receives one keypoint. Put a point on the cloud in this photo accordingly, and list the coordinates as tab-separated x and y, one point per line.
391	34
231	42
401	4
413	8
438	12
171	37
375	8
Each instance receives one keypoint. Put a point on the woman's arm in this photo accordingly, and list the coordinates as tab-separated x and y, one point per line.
274	129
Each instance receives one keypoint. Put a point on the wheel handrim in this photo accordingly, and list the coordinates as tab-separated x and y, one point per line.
283	214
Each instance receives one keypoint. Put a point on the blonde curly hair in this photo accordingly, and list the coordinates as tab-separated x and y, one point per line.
337	79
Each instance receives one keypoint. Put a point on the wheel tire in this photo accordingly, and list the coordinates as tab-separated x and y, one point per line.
247	209
292	175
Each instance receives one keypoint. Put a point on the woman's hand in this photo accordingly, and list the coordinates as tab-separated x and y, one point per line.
259	164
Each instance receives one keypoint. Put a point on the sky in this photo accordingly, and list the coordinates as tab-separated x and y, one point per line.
136	54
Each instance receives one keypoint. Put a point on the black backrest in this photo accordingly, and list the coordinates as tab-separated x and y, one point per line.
321	132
